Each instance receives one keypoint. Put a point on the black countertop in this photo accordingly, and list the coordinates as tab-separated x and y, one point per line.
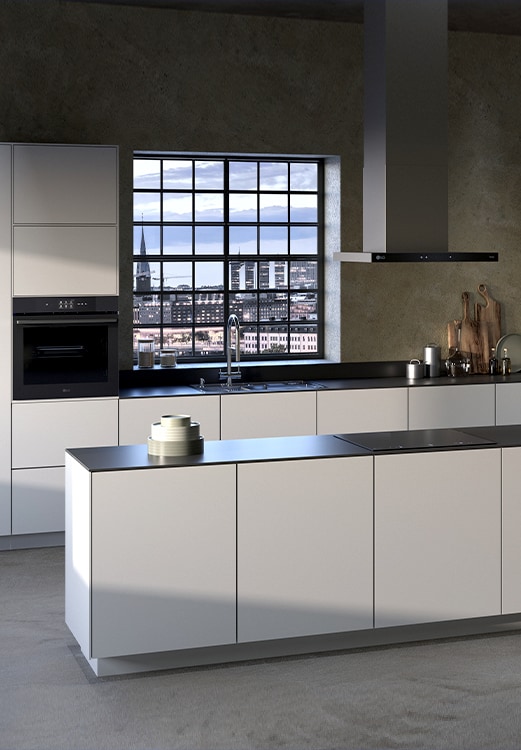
118	458
175	388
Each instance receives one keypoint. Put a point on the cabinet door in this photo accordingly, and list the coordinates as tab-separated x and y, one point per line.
38	500
62	184
257	415
437	536
451	406
508	403
370	410
5	333
136	415
163	559
305	547
42	430
56	261
511	525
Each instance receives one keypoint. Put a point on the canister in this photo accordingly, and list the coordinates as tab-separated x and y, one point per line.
167	357
145	352
414	369
432	360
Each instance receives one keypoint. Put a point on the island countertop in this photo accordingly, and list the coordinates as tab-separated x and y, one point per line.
115	458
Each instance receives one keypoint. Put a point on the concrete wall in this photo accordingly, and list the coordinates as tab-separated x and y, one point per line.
177	80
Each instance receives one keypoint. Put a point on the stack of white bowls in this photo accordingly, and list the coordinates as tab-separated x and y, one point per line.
175	435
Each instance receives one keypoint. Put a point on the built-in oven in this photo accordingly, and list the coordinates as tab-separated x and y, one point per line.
65	347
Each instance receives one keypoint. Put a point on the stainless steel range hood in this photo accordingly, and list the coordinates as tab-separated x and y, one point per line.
405	183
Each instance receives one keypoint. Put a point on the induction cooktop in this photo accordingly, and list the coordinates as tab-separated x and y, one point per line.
411	440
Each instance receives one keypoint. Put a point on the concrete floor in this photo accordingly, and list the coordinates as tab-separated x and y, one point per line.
460	693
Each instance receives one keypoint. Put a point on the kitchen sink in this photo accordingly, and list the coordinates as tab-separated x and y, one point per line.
279	385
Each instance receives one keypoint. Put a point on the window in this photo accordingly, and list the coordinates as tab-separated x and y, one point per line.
216	235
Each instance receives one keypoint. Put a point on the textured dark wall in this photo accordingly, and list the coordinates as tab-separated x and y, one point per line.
162	79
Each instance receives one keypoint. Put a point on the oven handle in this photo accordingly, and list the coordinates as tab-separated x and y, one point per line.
76	319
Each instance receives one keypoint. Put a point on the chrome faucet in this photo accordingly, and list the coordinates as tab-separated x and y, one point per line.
230	374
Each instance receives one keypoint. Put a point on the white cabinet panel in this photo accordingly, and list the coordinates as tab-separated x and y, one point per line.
305	547
42	430
64	260
371	410
437	536
5	334
137	414
38	500
257	415
163	559
451	406
511	526
508	403
65	184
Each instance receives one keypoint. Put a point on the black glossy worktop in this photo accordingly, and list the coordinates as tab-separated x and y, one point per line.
114	458
124	457
172	383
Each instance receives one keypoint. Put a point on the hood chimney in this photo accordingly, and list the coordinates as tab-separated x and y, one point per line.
405	180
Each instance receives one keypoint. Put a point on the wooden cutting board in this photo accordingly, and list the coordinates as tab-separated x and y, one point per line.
488	317
480	334
470	341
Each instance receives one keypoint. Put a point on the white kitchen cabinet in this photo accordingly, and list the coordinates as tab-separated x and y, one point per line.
305	547
42	430
437	536
508	403
55	261
38	500
458	405
159	572
136	415
368	410
257	415
511	530
5	334
65	184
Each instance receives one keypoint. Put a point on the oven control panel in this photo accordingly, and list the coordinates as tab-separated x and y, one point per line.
70	305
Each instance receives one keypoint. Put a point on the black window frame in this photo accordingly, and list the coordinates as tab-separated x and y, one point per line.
261	325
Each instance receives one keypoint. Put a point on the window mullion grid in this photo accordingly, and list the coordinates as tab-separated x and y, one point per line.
161	275
226	246
192	263
258	257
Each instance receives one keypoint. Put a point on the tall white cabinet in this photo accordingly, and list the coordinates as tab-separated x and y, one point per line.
58	237
5	334
65	217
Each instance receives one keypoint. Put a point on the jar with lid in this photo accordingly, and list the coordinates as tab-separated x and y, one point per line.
145	353
167	357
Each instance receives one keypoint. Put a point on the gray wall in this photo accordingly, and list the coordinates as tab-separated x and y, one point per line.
177	80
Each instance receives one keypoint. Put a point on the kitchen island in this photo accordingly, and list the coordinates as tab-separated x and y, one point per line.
280	546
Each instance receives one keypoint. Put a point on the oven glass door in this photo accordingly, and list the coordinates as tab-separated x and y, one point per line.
64	357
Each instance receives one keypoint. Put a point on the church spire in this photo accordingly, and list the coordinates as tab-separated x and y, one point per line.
143	278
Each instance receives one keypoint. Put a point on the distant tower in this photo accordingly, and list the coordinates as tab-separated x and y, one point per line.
143	277
235	274
249	280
